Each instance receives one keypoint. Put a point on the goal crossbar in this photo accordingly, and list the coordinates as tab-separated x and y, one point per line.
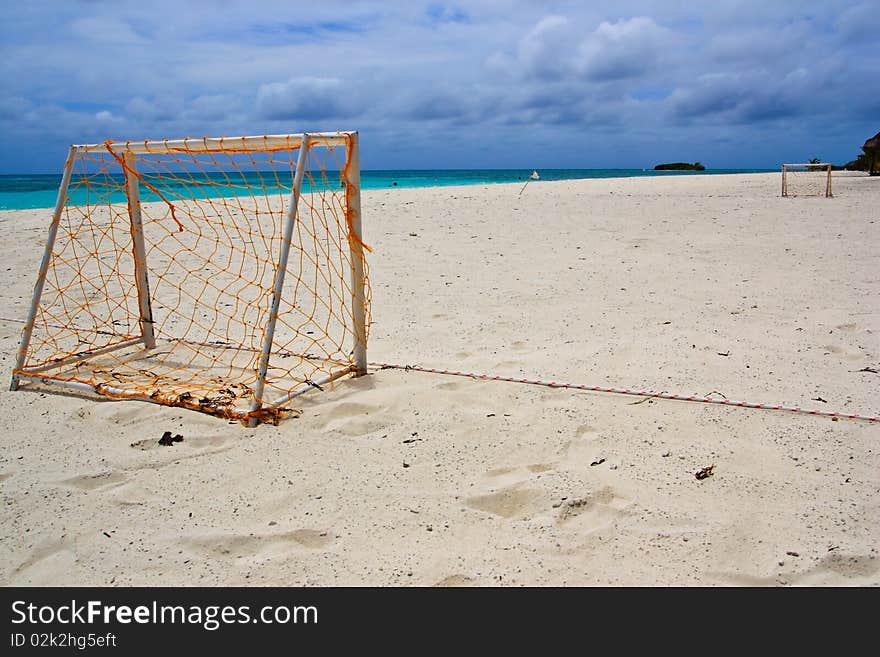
252	144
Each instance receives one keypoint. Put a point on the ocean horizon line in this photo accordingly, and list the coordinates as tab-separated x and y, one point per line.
22	191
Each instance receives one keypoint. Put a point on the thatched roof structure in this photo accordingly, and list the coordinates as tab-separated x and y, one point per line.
873	144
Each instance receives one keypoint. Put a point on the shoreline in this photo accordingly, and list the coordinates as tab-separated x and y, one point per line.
645	173
516	184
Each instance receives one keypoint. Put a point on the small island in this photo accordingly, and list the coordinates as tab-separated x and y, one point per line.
680	166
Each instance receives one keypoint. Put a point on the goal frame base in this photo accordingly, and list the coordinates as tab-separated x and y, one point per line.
269	413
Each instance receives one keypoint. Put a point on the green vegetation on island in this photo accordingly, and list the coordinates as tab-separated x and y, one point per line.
680	166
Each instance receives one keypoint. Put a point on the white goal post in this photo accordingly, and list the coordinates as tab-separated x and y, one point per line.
222	275
810	179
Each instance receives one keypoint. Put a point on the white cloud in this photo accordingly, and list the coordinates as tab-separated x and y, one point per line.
107	118
625	49
545	51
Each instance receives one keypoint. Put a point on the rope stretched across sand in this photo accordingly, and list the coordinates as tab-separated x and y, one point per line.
637	393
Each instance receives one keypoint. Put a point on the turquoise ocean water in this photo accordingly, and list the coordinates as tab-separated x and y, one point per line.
20	192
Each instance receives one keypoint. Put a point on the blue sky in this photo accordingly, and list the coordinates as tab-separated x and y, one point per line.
493	84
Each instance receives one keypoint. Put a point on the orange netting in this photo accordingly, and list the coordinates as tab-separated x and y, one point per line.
213	221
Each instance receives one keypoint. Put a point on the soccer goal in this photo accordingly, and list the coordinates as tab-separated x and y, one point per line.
806	179
222	275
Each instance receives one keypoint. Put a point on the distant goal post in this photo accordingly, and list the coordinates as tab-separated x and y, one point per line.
225	275
809	179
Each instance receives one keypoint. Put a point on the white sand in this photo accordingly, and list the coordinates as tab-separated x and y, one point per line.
637	283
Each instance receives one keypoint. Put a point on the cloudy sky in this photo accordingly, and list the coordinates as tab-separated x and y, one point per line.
494	83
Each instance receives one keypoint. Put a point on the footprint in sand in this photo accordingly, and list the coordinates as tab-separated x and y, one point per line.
450	385
47	564
104	480
122	413
311	538
848	566
353	419
583	430
455	580
499	472
832	569
517	475
511	502
841	352
131	493
593	511
237	547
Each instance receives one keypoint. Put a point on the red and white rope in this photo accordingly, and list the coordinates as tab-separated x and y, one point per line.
634	393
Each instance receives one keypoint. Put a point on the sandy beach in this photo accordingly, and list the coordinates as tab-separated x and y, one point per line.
692	285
